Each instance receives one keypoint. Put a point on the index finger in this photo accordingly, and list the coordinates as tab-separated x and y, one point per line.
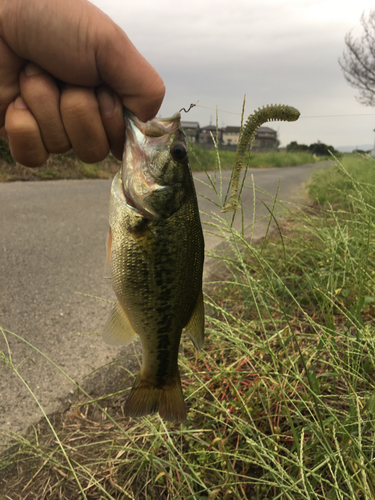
135	80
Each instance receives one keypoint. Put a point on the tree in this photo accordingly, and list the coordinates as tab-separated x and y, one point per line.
321	149
358	60
318	148
294	146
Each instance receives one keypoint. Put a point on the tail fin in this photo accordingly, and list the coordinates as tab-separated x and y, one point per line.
146	399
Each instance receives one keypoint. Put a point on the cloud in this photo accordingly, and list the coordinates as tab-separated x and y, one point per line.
273	51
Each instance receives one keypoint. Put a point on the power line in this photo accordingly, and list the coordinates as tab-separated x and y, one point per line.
334	116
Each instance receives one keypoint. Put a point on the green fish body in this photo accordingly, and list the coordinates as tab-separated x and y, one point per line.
156	251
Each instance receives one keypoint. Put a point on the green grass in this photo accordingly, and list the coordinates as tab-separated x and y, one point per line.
282	398
203	159
62	166
353	176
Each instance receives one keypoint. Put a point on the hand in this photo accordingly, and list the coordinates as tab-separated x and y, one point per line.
66	70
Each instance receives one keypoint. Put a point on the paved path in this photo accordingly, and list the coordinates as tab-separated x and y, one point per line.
287	183
52	245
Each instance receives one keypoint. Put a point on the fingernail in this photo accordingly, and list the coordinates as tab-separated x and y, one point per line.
106	101
19	103
32	69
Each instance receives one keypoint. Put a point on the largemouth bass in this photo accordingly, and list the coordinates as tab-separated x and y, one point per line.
156	251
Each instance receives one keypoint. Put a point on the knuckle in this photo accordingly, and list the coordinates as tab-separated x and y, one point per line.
83	124
55	139
25	142
27	152
77	103
38	92
92	154
59	147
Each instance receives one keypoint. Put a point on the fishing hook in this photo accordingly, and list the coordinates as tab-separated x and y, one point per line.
191	106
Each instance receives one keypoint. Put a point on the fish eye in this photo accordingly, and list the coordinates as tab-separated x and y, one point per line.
178	151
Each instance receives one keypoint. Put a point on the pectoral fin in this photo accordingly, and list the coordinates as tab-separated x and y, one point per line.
118	330
109	247
195	326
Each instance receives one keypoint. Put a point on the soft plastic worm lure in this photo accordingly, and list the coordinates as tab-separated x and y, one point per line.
263	115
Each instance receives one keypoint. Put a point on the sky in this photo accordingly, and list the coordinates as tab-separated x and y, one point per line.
272	51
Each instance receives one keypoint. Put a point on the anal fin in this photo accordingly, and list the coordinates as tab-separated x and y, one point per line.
195	325
118	330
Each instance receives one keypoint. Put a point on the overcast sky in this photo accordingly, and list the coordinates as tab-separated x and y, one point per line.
274	51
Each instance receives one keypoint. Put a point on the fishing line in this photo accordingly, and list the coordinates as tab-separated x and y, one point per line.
302	116
221	110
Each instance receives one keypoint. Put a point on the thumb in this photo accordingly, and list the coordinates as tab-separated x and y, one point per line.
77	43
124	69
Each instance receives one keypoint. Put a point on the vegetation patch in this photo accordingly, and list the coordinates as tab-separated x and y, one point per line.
62	166
281	400
351	178
316	149
203	159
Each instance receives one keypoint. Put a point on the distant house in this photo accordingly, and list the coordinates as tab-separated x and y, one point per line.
265	138
205	134
191	130
231	135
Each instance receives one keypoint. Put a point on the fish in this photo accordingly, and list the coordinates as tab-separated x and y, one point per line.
155	247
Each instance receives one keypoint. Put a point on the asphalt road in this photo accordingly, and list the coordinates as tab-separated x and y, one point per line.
52	249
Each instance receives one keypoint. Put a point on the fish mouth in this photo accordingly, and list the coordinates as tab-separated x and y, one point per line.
143	140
